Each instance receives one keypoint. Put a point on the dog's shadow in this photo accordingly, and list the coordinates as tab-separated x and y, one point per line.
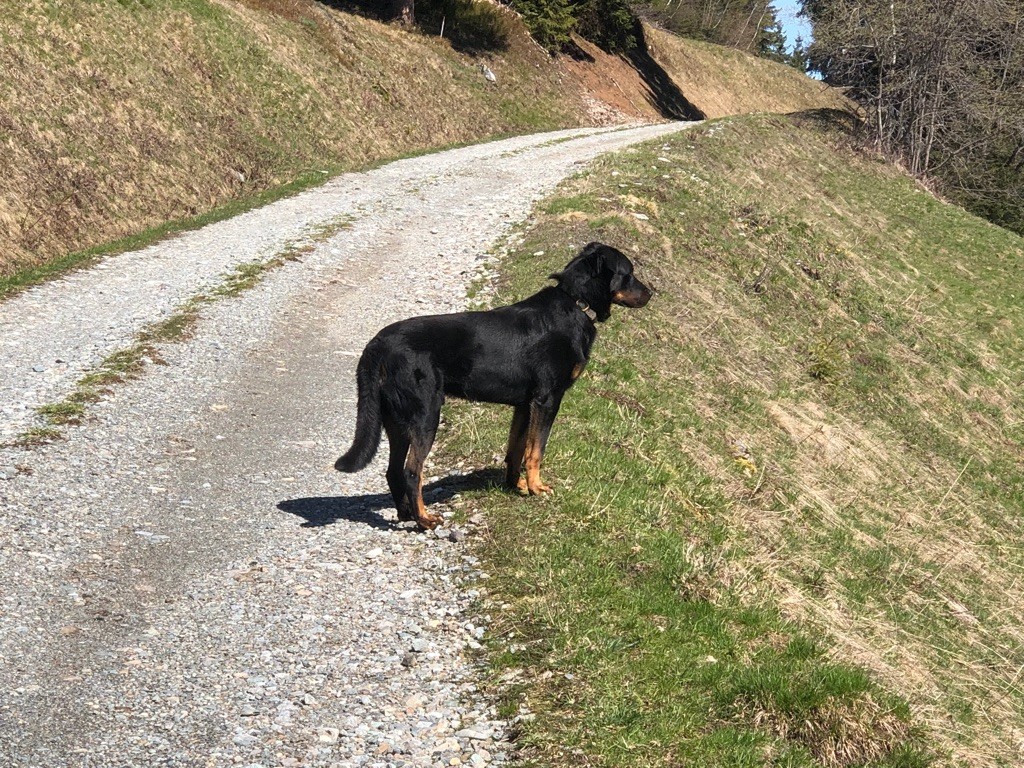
318	511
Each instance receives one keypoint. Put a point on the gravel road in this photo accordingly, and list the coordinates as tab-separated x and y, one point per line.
184	580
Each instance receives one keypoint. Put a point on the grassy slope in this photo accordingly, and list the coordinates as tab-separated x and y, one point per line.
126	120
787	520
724	81
121	115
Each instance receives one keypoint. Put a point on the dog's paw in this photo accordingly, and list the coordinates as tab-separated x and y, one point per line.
537	489
429	522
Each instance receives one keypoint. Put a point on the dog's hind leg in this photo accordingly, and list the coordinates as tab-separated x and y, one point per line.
516	445
395	474
418	451
414	414
411	410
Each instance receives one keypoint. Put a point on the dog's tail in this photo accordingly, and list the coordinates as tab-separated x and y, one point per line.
368	418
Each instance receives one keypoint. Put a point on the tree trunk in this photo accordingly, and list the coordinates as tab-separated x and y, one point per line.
405	12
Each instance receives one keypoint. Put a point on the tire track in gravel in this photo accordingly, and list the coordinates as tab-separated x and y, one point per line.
185	581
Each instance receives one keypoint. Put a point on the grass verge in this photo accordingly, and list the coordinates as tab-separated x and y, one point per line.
787	513
24	279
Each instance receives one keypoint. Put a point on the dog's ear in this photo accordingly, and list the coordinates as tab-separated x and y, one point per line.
590	256
595	256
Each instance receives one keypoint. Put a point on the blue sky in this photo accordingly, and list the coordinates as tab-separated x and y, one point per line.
786	11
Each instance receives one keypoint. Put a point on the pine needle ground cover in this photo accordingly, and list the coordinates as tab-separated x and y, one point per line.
786	526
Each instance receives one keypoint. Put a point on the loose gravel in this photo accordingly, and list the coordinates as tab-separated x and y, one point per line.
184	580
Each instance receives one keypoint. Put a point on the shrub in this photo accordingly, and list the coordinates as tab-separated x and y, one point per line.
469	25
551	22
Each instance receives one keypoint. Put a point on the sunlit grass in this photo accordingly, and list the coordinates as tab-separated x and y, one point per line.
788	491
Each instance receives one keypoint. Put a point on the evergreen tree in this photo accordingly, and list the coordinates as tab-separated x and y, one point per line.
772	40
798	58
551	22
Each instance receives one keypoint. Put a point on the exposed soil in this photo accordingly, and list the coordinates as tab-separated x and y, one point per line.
614	91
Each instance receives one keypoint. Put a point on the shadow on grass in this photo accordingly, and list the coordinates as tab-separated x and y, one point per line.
371	9
470	26
318	511
843	120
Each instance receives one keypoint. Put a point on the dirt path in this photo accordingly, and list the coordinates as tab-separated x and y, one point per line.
185	581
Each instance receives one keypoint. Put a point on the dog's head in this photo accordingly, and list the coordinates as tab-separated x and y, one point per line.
601	276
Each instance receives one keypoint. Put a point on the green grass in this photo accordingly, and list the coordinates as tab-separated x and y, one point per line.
788	492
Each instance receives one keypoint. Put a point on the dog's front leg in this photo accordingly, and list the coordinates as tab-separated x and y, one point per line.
542	416
516	446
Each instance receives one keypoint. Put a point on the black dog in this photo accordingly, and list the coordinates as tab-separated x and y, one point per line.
525	355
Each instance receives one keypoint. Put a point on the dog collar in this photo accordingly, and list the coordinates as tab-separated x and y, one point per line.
586	310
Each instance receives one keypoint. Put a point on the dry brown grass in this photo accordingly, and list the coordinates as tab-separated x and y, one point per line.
843	733
931	634
722	81
120	116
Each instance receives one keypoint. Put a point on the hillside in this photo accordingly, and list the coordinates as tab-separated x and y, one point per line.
787	513
123	116
722	81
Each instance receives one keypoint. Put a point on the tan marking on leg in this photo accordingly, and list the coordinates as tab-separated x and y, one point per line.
534	485
426	520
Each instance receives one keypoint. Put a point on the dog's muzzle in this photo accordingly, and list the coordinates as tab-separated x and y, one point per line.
637	296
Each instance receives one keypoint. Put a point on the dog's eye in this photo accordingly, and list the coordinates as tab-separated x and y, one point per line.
620	281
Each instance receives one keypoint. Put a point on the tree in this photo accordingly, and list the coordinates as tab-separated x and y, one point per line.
771	40
798	58
551	22
750	25
405	12
609	23
941	83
